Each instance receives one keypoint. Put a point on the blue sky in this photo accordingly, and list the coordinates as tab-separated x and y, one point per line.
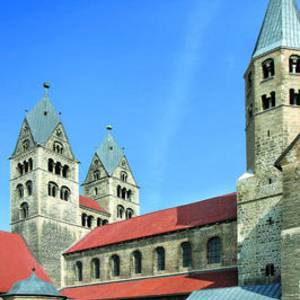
167	74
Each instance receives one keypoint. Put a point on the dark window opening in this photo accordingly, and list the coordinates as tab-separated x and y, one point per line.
115	260
29	188
214	250
295	64
269	102
270	270
137	261
268	68
120	211
24	210
78	267
186	249
294	97
96	268
129	213
90	220
161	257
83	220
20	190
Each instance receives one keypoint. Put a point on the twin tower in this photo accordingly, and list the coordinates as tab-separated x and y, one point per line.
46	207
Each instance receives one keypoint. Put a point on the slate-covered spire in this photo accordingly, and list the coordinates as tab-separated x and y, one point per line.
110	153
281	27
42	119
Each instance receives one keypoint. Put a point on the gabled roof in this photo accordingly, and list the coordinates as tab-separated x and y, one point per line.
110	153
154	287
16	261
201	213
42	120
91	204
254	292
33	286
281	27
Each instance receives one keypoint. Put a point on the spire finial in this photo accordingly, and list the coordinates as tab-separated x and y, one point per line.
46	86
109	127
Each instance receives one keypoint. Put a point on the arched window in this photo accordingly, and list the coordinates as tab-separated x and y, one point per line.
119	191
214	250
269	102
97	175
65	171
295	64
29	187
58	148
104	222
50	165
26	145
90	220
96	191
137	262
24	210
26	166
83	220
95	267
58	168
160	258
120	211
20	169
270	270
20	191
124	192
78	270
294	97
30	163
124	176
129	213
115	264
99	222
186	250
65	193
268	68
52	189
129	194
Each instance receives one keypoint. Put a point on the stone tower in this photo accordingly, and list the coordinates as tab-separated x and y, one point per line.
44	189
110	181
272	122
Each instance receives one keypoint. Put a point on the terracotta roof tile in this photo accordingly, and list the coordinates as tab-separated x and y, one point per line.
201	213
163	286
91	204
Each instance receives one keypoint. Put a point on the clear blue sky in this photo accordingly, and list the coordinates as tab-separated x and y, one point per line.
167	74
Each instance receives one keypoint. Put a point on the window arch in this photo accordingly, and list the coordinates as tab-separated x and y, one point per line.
26	166
20	169
119	191
294	97
270	270
160	258
65	171
268	68
78	271
295	64
65	193
96	191
58	168
120	211
26	145
50	165
137	262
95	267
186	252
52	189
29	187
124	176
20	190
129	194
97	175
83	220
129	213
24	210
115	261
58	147
214	250
30	164
90	220
123	194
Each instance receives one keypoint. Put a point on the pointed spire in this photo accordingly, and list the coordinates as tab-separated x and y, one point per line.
43	118
281	27
109	152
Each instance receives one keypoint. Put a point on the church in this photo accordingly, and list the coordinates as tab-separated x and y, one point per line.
243	245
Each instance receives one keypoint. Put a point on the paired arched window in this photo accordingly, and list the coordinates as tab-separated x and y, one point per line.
123	193
270	270
129	213
186	251
29	187
95	267
214	250
58	168
51	165
268	68
137	262
269	101
65	171
115	263
90	220
294	97
58	148
52	189
20	191
124	176
295	64
160	258
78	271
97	175
25	167
65	193
26	145
120	211
24	210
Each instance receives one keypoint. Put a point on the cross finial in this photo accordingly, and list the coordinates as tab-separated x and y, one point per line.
46	86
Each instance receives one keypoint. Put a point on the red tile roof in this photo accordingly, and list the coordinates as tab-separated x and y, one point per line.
163	286
16	261
161	222
91	204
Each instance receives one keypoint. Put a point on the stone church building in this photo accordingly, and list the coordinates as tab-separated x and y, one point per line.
244	245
